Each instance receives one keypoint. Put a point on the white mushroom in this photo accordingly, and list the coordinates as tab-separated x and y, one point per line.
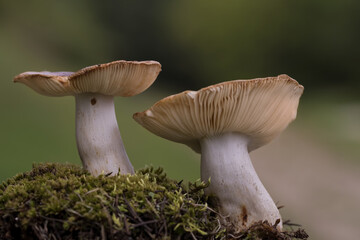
97	134
224	122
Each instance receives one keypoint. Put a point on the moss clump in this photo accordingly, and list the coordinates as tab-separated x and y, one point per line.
57	201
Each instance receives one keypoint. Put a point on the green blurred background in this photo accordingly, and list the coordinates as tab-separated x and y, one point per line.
199	43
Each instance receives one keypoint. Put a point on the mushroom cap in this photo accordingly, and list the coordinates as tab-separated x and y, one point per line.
259	108
118	78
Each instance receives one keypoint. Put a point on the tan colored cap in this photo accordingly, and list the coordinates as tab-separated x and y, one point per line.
118	78
260	108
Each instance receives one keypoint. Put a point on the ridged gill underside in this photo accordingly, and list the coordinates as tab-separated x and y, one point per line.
259	108
119	78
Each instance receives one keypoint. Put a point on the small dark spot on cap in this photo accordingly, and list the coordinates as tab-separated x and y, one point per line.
93	101
99	65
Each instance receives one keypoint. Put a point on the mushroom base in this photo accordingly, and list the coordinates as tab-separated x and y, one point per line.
98	138
242	197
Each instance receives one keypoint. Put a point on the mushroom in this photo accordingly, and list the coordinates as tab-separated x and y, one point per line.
97	134
225	122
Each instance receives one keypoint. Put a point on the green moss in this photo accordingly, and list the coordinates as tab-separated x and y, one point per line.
57	201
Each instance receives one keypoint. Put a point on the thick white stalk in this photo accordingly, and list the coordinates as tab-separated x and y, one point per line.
240	193
97	134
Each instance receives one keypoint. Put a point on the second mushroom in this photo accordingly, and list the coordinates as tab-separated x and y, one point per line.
225	122
97	134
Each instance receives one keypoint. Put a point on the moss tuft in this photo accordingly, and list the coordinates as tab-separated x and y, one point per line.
62	201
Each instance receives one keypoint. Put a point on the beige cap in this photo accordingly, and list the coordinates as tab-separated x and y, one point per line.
118	78
260	108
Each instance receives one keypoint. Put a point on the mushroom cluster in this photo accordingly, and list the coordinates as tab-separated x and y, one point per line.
223	122
97	134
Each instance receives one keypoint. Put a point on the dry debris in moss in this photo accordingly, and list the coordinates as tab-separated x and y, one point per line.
62	201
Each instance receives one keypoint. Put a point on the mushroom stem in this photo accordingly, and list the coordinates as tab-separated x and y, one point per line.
239	191
97	135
